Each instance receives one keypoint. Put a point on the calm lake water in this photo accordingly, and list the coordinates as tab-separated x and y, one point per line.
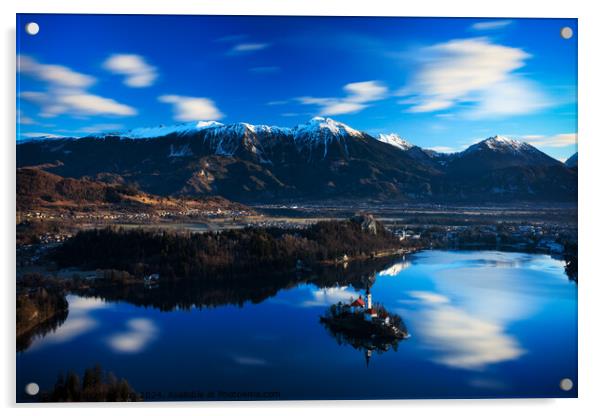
482	324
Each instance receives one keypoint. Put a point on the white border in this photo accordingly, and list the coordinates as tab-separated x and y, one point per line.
590	134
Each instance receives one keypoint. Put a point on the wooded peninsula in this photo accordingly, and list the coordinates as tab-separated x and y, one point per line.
225	254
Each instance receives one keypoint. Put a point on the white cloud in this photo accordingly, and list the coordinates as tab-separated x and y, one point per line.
315	100
248	47
557	140
359	96
66	92
512	96
192	108
90	104
491	25
140	333
365	91
138	73
342	107
56	75
475	72
432	105
76	102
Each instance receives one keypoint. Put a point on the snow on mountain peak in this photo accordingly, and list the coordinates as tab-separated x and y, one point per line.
241	129
322	131
315	128
395	140
505	141
501	144
207	124
163	130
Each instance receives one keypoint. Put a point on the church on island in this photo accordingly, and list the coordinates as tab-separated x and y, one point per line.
365	325
378	315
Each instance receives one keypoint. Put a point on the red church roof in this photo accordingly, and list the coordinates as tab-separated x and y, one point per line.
358	302
370	311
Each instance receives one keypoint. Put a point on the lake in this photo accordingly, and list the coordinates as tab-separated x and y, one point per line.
482	324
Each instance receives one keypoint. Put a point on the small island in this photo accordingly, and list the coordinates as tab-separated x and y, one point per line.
365	326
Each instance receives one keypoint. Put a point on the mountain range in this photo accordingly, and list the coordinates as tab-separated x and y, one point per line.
318	160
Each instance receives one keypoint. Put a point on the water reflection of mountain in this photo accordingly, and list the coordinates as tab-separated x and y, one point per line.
187	294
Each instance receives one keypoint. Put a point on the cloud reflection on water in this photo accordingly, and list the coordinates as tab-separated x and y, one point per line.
140	333
329	296
473	298
462	340
395	269
79	322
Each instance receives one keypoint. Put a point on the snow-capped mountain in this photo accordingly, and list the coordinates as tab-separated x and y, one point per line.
507	169
323	128
394	140
427	157
317	135
322	158
501	144
161	130
317	129
500	152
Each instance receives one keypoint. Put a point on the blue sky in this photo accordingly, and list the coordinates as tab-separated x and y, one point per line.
440	83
